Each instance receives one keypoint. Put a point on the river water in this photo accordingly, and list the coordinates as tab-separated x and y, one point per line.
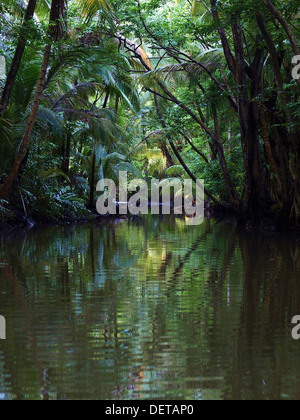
149	309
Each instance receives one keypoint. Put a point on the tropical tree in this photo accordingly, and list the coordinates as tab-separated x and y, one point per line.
204	84
242	67
67	100
56	14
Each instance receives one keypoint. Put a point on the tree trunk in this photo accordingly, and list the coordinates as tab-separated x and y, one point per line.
177	154
67	153
54	18
194	147
92	183
166	154
17	59
256	200
276	13
276	182
4	189
227	51
233	195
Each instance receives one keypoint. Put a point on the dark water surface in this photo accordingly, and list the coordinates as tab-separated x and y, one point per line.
147	310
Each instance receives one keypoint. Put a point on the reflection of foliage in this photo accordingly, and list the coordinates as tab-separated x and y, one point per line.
148	309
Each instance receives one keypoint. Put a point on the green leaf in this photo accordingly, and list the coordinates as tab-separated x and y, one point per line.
53	173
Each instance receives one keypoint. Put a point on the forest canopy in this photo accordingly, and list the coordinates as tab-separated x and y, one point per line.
193	89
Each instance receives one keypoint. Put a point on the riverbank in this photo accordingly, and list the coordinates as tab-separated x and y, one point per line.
15	219
12	218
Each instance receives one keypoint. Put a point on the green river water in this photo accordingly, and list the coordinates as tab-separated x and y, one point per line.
149	309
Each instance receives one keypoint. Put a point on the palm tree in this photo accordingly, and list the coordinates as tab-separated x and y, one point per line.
54	22
14	8
55	33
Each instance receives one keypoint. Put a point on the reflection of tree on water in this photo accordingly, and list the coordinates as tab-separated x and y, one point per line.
271	299
193	313
262	353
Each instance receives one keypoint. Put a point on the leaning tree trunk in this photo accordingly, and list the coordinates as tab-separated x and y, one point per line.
179	157
11	77
276	13
32	119
53	32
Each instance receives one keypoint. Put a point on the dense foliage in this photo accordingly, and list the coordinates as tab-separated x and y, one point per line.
203	89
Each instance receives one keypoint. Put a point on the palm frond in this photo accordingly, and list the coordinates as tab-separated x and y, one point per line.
127	167
53	173
43	9
175	170
92	8
49	121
